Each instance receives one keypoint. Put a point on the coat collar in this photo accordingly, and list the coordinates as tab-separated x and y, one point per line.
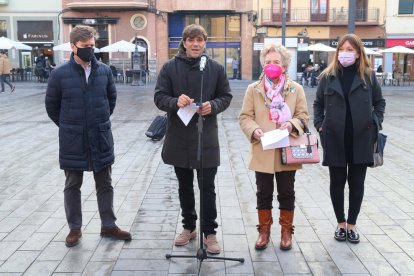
335	84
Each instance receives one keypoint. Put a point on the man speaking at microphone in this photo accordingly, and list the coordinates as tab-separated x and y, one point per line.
179	85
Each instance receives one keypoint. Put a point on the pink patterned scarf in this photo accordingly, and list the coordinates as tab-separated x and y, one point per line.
279	111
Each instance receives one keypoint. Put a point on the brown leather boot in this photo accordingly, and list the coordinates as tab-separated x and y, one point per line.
265	222
73	238
115	233
286	221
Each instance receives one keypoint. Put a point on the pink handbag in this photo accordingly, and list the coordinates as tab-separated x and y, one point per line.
302	150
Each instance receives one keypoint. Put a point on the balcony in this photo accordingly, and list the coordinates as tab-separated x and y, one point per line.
334	16
106	4
185	5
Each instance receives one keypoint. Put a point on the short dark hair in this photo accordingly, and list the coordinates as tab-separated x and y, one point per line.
82	33
194	30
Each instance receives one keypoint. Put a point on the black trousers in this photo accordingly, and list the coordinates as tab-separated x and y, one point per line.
187	201
285	183
355	174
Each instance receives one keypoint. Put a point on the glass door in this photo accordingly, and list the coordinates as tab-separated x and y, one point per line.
26	60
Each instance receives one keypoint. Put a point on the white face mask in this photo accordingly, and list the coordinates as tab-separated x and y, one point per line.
346	58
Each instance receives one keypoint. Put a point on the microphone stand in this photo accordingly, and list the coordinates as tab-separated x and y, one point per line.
201	254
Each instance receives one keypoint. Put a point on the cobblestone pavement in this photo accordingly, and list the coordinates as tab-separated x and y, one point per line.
33	225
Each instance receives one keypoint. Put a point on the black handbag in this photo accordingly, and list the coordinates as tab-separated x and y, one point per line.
379	146
158	128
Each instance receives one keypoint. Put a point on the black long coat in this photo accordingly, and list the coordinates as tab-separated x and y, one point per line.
181	75
81	111
366	106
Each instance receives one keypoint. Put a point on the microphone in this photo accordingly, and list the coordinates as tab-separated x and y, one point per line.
203	61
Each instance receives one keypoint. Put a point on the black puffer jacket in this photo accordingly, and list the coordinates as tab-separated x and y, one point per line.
81	110
181	75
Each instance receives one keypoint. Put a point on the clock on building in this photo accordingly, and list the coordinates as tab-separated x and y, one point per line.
138	21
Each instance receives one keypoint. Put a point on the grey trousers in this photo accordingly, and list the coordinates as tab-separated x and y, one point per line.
104	194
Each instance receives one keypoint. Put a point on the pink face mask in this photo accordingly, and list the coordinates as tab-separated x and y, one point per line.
273	71
346	58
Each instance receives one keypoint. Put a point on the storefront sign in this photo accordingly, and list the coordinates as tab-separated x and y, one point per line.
35	31
369	43
406	42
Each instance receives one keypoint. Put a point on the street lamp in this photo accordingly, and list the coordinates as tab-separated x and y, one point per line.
351	16
283	22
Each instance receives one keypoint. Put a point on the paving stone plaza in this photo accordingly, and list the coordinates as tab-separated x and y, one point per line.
33	225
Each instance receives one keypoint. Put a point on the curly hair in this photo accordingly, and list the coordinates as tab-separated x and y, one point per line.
284	54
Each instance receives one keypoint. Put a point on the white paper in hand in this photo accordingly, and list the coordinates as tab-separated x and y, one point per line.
275	139
187	112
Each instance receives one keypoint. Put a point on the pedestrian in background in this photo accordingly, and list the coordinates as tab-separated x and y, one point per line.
5	69
347	108
273	102
178	85
80	99
235	66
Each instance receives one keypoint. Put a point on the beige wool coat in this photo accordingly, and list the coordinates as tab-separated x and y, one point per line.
5	66
255	114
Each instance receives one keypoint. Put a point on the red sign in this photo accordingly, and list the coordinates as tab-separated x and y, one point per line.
406	42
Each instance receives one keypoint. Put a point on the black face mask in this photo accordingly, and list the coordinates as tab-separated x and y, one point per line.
85	54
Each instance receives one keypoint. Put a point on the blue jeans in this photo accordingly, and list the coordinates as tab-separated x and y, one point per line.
4	79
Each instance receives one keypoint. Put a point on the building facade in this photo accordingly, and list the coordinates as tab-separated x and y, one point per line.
158	24
400	32
317	21
31	23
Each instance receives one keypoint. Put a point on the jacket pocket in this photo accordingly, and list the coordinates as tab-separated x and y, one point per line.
71	139
106	140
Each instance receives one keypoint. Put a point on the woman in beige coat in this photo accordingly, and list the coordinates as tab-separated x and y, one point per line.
273	102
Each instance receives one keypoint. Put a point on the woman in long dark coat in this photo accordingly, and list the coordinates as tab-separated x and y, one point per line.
347	108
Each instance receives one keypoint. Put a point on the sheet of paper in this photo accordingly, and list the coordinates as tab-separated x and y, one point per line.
187	112
275	139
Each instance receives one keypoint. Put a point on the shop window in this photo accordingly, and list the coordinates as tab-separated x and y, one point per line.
406	7
3	29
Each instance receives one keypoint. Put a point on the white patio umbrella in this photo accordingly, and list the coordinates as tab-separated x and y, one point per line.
398	50
122	46
368	51
65	47
6	43
318	47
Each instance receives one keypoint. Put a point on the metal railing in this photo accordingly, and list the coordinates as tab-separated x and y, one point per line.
334	15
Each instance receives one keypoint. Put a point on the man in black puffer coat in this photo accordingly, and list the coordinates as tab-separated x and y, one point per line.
80	99
179	85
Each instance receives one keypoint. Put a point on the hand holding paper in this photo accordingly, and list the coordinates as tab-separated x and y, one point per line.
275	139
187	112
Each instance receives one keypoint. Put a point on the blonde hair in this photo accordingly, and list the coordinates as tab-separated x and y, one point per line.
277	48
362	63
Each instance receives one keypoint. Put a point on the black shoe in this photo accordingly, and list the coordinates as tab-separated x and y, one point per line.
353	236
340	234
12	88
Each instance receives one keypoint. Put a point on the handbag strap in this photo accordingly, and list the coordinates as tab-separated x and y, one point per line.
308	133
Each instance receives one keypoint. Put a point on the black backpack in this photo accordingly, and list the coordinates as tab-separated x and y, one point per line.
158	128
